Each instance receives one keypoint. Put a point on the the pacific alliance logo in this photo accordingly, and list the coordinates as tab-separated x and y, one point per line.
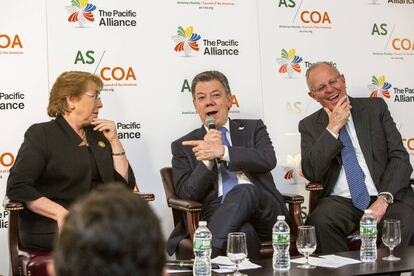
186	40
81	11
289	62
379	87
293	169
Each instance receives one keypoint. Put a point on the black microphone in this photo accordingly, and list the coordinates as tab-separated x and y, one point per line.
211	124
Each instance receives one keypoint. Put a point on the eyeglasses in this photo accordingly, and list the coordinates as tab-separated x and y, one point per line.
96	96
332	83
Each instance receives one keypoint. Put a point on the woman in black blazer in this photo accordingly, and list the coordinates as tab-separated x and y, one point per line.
65	158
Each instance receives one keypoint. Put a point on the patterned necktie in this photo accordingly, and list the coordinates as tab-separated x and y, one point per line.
354	174
228	178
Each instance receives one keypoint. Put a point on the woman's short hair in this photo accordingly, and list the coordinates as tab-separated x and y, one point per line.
71	83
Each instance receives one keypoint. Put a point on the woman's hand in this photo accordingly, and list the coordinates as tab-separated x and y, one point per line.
60	218
107	127
48	208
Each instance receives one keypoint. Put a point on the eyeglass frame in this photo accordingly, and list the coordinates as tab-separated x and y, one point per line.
96	96
332	83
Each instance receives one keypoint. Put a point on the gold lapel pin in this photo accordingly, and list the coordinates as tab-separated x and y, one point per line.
101	144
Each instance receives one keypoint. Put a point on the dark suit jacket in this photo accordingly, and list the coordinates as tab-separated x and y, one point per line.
380	141
251	152
51	163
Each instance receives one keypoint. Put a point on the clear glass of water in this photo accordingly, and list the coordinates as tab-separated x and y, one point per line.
236	249
306	244
391	237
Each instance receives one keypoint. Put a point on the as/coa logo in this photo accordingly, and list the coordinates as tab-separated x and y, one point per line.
186	40
310	20
81	12
289	62
379	87
10	44
6	161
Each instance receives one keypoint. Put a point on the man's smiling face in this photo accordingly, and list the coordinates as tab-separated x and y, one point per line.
327	86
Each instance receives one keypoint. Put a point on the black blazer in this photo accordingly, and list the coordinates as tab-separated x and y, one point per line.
251	152
387	159
51	163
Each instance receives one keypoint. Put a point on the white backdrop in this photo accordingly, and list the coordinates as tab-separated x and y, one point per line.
263	46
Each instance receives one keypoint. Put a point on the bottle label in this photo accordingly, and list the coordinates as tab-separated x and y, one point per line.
281	237
202	244
368	230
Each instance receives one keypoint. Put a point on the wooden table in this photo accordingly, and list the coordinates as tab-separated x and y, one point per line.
379	267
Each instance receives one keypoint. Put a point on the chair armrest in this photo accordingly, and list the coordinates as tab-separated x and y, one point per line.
11	205
185	205
295	211
293	198
314	186
192	211
314	189
145	196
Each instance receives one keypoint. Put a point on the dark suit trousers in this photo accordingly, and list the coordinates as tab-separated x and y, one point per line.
247	209
336	217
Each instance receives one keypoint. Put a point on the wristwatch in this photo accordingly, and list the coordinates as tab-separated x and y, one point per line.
387	197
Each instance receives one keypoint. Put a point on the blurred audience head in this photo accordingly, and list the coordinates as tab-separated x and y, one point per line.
110	232
70	84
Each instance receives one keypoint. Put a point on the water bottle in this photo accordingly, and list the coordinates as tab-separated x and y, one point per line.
368	232
281	242
202	250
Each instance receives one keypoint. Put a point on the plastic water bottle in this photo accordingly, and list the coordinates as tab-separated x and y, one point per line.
281	243
368	232
202	250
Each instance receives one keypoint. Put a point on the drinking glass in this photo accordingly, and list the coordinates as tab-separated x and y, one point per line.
391	237
306	244
236	249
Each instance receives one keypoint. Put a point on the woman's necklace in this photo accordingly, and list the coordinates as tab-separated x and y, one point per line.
83	136
84	140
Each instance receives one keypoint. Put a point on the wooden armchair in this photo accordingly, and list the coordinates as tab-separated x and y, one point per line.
23	261
192	209
31	262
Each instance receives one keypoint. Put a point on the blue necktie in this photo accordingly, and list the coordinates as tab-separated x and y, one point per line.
228	178
354	174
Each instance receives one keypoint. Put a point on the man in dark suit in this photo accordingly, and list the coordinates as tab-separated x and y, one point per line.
227	168
377	177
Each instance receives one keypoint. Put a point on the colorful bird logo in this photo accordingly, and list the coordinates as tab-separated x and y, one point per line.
186	40
80	11
379	87
289	62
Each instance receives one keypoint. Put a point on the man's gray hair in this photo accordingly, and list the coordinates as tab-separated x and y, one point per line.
314	66
209	76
